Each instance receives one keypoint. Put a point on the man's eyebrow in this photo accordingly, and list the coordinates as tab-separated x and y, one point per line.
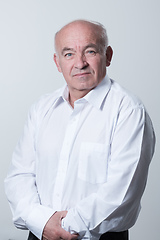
91	45
67	49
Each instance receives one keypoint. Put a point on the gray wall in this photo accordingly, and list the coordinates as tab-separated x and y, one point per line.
27	71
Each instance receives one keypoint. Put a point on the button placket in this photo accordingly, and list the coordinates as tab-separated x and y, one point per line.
64	156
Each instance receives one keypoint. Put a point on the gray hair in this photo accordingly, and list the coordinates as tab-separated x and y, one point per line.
103	33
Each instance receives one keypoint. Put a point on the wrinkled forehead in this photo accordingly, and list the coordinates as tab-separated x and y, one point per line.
77	33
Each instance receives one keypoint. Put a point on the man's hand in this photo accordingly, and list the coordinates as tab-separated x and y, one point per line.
53	229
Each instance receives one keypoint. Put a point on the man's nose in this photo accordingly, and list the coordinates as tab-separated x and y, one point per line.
80	62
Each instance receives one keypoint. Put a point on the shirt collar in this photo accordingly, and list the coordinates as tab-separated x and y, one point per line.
98	94
61	95
95	97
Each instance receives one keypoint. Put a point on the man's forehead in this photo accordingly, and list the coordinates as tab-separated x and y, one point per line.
76	34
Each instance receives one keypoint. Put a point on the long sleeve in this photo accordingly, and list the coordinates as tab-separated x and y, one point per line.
115	205
20	184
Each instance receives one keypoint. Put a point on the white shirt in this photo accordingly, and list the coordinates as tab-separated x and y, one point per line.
91	161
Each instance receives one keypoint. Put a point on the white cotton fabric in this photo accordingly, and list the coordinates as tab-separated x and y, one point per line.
91	161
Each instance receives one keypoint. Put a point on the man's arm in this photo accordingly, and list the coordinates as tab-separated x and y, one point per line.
20	183
22	193
117	202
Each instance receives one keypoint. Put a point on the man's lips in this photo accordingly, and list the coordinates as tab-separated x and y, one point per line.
81	74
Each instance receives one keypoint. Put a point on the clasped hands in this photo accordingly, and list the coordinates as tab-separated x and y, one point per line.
53	229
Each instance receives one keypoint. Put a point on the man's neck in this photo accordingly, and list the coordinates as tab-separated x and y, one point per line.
75	95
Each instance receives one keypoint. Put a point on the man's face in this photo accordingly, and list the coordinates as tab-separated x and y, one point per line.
80	57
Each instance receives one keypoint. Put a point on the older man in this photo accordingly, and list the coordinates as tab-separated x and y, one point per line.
80	169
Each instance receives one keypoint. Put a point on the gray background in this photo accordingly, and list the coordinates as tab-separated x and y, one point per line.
27	30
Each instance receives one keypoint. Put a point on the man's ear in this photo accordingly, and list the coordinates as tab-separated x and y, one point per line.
56	60
109	53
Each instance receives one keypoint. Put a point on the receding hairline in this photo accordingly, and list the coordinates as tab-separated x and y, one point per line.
102	36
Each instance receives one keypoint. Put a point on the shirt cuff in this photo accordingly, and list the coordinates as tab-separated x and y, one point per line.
38	218
73	223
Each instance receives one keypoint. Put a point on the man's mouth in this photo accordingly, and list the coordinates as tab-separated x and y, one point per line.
81	74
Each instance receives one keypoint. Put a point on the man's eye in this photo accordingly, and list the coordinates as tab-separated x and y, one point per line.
68	55
91	52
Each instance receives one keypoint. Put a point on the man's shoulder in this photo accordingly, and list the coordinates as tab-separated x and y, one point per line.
124	96
49	97
46	101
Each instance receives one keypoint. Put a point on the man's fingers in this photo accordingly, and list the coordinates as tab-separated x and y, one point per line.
63	214
74	236
66	235
60	215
